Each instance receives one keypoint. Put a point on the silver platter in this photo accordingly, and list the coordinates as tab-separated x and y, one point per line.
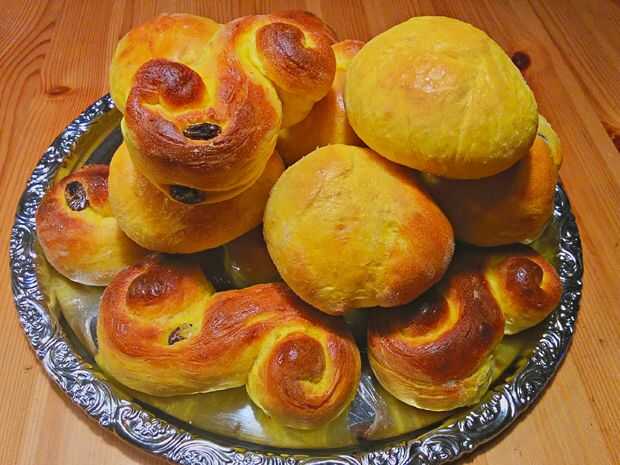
88	388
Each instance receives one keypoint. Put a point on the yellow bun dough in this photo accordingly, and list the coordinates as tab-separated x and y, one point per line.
439	95
347	229
79	235
512	206
158	223
327	123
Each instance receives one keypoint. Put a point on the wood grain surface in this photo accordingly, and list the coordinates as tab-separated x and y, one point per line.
54	57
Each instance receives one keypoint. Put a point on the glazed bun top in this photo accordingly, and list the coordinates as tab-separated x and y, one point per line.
438	95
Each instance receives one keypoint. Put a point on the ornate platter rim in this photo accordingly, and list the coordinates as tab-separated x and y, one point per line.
86	388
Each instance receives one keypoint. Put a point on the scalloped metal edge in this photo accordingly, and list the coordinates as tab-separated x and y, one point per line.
86	388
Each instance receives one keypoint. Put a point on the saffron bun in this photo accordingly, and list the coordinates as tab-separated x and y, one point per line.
526	286
437	352
211	123
327	123
512	206
162	330
79	235
246	260
438	95
347	228
159	223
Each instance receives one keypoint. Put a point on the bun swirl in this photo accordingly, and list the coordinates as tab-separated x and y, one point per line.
436	353
178	37
162	330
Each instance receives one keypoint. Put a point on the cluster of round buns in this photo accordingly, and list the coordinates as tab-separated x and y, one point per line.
408	159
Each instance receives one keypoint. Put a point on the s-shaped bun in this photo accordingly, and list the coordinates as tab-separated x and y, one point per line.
163	331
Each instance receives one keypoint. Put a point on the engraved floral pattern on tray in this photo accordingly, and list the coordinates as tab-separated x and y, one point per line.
84	385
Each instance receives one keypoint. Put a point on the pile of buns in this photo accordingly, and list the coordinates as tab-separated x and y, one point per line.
365	163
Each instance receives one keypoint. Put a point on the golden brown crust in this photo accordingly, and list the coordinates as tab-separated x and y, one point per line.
435	353
310	22
158	223
290	64
162	331
77	232
255	74
512	206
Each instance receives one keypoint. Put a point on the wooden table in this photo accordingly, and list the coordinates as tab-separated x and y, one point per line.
54	58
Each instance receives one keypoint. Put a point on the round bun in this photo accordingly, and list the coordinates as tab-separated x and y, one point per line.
435	353
327	123
212	125
526	285
77	232
512	206
347	229
162	331
176	37
158	223
438	95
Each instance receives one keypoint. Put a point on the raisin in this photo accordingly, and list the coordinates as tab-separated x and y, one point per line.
75	195
186	194
202	131
179	334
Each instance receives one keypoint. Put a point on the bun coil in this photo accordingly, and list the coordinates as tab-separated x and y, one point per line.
212	125
525	285
180	38
77	232
163	331
436	353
